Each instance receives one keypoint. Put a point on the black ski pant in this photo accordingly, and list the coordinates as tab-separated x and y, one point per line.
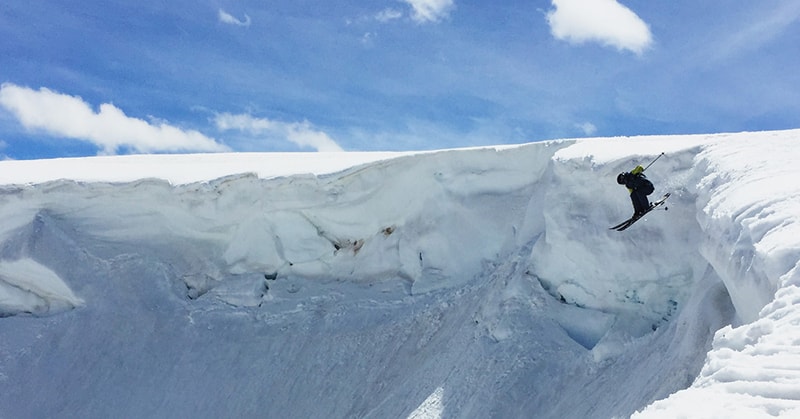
640	201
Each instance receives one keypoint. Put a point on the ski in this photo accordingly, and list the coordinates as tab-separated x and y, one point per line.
625	224
621	224
629	222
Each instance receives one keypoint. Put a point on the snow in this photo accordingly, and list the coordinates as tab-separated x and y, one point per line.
28	287
182	168
476	282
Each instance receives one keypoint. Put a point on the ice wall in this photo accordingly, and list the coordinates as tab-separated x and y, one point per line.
486	279
750	207
640	275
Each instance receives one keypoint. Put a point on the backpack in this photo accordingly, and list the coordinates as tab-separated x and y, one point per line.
643	184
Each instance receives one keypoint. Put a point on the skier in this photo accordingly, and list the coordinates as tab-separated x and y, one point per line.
639	187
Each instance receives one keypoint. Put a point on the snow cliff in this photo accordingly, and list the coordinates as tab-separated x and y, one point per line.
461	283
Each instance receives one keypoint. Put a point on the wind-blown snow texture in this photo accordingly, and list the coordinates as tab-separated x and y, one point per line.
461	283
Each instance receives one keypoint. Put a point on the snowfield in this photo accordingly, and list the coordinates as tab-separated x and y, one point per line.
466	283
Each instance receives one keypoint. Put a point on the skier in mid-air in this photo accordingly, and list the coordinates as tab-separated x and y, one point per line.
639	187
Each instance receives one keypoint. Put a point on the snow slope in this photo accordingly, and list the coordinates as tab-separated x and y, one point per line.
460	283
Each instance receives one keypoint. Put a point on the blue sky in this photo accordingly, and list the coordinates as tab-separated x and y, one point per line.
155	76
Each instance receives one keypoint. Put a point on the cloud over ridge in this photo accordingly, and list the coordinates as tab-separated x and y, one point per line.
605	21
301	134
109	128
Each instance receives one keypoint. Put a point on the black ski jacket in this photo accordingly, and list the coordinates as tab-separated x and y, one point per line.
638	182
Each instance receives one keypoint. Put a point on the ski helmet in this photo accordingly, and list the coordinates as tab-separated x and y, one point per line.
621	178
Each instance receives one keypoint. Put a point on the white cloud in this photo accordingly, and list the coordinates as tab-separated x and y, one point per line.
588	128
430	10
226	17
110	129
603	21
300	133
368	39
388	14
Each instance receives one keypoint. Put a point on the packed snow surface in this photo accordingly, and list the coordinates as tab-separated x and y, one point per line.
459	283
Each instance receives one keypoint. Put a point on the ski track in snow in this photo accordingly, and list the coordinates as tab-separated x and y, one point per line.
460	283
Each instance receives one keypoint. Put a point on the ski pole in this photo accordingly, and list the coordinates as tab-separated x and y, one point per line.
651	163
